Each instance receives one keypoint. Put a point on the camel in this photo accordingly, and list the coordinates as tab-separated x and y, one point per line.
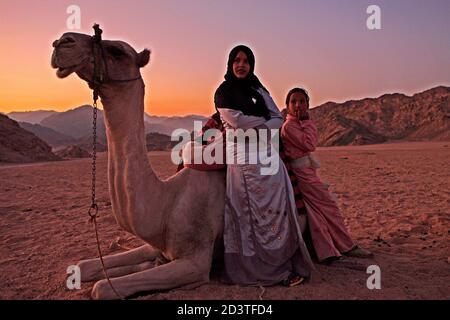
180	219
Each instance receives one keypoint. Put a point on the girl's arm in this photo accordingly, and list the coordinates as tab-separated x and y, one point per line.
302	134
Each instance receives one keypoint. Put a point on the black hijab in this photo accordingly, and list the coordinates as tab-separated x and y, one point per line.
241	94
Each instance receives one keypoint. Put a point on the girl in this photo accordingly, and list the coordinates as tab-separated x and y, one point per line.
329	235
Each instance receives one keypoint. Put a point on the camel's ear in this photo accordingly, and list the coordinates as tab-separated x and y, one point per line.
143	58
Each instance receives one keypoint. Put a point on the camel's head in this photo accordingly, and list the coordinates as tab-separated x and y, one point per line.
117	60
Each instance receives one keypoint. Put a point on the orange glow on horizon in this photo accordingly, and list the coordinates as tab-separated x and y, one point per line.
337	59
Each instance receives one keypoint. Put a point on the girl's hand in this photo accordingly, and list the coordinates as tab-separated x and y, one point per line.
303	114
293	113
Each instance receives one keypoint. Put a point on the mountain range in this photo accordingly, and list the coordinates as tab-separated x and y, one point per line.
390	117
77	122
69	134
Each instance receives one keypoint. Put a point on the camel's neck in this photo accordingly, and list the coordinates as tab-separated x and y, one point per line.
134	188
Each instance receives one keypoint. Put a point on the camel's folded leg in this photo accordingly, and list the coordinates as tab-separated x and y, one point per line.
178	273
124	270
92	269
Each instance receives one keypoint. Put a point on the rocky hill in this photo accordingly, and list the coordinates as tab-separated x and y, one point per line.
72	152
166	125
20	146
33	117
51	137
424	116
159	142
76	123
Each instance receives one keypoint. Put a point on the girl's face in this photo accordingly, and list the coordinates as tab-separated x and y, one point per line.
298	104
241	67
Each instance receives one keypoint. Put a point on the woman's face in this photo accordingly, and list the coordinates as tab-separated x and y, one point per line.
298	104
241	67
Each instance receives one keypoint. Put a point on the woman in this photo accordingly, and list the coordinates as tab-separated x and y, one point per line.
329	235
262	239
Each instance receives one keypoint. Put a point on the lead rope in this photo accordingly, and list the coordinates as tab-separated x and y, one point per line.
93	210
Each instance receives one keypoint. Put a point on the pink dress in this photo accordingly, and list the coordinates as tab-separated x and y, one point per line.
329	235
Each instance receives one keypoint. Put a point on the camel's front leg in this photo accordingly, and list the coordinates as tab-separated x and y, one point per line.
118	264
178	273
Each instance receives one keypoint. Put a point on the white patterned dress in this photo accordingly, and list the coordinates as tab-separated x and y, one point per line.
262	240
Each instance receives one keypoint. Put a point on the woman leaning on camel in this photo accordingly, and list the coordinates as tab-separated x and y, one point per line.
262	240
329	235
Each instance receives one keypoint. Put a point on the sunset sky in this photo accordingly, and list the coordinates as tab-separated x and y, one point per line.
323	46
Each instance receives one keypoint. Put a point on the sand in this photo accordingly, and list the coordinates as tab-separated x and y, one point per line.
395	199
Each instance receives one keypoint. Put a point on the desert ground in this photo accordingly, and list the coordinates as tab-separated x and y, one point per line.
395	199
